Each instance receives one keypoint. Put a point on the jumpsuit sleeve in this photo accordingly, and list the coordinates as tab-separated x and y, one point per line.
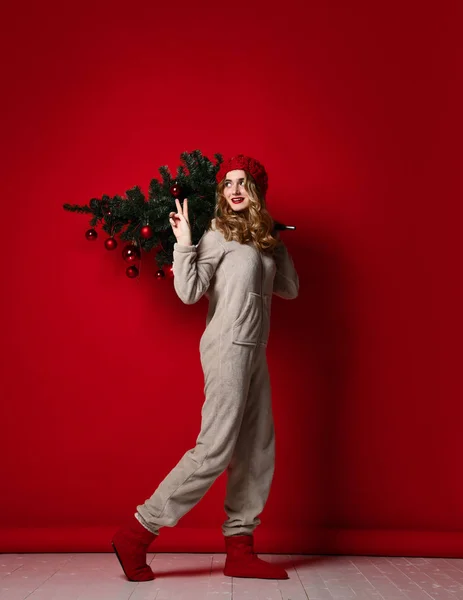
194	267
286	282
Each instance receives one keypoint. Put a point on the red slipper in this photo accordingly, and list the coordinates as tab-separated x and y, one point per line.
242	562
130	544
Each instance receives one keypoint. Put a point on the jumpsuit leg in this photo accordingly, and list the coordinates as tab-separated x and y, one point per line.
227	376
251	470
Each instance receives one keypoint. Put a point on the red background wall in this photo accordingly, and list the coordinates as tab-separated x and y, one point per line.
355	110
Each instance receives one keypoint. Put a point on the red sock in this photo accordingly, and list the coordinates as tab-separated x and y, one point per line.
130	544
242	562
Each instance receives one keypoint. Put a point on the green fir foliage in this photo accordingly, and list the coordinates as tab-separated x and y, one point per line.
196	177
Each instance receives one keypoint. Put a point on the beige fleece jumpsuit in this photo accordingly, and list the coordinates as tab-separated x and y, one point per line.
237	431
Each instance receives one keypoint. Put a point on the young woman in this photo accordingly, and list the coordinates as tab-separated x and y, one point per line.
238	264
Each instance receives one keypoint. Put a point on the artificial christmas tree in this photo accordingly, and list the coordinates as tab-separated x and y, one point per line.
144	223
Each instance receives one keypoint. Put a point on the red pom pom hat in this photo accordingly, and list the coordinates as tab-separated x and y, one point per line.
246	163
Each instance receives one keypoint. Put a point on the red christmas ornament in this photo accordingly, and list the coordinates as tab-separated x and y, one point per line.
132	272
175	190
131	253
160	274
170	271
110	243
91	234
146	232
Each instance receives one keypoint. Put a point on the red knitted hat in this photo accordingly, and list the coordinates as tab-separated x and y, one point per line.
246	163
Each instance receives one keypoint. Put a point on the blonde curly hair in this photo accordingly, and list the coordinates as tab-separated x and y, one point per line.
253	225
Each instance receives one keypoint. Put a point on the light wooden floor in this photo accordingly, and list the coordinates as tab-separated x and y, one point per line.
98	576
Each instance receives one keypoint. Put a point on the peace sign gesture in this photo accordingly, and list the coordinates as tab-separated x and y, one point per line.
180	223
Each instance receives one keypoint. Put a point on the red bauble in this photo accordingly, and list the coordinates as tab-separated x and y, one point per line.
160	274
110	243
175	190
131	253
91	234
170	271
132	272
146	232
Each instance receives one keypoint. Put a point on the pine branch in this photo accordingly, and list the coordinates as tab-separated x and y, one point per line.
126	215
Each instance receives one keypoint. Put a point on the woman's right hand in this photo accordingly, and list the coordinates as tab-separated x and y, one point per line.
180	223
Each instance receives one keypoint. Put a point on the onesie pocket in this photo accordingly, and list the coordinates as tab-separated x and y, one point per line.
247	327
266	319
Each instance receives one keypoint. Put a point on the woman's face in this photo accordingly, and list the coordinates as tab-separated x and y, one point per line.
234	190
